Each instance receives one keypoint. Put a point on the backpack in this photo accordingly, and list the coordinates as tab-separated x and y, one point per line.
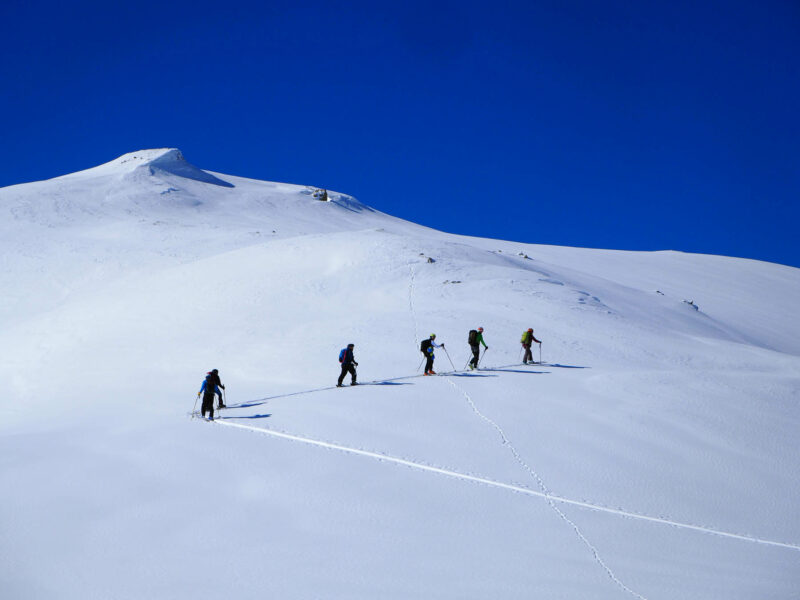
473	336
526	337
423	347
342	354
209	388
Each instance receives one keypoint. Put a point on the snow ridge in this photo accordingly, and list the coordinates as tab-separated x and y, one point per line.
172	162
151	162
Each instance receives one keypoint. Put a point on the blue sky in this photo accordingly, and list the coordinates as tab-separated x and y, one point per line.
632	125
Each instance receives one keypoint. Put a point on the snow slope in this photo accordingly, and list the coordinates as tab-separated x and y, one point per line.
654	456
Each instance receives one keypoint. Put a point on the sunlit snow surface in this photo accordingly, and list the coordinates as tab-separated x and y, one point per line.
654	456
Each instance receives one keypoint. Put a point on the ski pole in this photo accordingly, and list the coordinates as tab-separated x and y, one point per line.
224	398
520	353
194	408
419	366
448	358
540	352
480	360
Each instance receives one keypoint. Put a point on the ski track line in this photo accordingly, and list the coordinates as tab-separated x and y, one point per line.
584	504
411	286
251	403
545	493
517	456
499	484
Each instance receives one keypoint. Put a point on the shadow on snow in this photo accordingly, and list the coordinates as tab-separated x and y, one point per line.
248	417
398	381
517	371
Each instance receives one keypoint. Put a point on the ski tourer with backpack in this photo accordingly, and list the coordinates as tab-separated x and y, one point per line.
348	363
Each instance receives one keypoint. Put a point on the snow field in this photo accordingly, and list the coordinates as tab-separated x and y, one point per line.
662	437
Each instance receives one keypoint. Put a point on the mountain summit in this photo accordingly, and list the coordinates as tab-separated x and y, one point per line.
158	161
161	185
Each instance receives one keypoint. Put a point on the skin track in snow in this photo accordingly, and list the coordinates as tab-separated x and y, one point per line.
514	488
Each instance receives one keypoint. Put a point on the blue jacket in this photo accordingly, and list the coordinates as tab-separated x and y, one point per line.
346	356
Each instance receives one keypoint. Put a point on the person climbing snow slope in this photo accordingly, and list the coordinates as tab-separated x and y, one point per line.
475	340
527	340
209	388
349	364
426	347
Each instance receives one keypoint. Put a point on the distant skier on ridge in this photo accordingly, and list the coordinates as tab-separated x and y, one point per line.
426	347
209	389
475	340
527	340
349	364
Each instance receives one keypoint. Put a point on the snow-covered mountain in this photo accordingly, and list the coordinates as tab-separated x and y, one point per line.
653	456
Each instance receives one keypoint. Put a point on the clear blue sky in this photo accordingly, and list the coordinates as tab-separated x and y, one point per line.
636	125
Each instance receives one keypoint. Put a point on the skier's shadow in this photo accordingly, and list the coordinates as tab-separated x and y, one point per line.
248	417
388	383
247	404
517	371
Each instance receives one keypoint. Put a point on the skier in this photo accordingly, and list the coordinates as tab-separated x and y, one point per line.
475	340
527	340
209	388
426	347
349	365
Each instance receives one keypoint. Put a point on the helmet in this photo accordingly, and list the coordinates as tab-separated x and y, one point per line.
530	330
214	371
480	329
351	345
433	336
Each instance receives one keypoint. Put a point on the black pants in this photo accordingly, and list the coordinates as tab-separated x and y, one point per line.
528	355
348	368
429	362
208	404
476	354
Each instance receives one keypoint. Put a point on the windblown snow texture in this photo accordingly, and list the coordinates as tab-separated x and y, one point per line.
653	456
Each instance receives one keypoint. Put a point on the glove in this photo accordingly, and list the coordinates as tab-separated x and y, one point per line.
222	386
442	344
355	363
198	394
486	348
